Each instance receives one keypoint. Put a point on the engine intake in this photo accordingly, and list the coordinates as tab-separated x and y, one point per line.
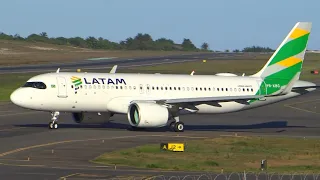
147	115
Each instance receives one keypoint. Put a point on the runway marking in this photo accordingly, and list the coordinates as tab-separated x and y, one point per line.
70	175
37	174
226	135
9	129
83	140
32	112
23	165
7	111
301	109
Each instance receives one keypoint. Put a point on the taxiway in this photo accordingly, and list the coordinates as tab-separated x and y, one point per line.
31	151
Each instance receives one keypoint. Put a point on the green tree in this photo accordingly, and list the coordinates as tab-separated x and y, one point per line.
187	45
257	49
205	46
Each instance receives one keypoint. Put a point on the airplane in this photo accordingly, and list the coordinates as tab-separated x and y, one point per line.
158	100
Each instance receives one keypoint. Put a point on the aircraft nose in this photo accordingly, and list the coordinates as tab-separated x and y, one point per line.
14	97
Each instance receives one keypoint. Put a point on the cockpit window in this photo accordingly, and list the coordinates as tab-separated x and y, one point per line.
37	85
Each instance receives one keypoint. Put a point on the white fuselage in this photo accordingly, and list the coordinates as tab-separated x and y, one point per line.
104	92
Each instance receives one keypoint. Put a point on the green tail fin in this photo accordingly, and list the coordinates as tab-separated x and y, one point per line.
284	66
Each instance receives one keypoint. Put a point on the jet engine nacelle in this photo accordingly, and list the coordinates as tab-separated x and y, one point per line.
147	115
91	117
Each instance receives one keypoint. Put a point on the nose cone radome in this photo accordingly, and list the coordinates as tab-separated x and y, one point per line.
16	98
13	97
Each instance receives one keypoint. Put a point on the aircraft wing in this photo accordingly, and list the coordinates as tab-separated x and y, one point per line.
210	99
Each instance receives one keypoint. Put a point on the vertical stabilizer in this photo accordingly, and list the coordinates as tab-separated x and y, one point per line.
285	64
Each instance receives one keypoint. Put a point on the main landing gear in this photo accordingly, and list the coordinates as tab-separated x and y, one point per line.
176	125
54	124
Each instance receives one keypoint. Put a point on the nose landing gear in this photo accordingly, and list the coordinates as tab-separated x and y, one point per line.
54	124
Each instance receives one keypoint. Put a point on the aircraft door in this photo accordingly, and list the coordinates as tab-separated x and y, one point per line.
62	87
262	87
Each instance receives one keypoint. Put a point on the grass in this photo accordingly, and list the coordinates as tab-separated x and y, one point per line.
9	82
20	52
232	154
244	64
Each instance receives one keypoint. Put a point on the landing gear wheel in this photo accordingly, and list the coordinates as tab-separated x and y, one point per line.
53	125
179	127
50	125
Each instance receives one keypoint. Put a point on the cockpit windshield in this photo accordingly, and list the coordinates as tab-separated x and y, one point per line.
37	85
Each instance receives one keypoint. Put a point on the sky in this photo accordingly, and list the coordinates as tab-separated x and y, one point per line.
224	24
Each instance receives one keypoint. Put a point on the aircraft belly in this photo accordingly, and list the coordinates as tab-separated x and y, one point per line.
222	107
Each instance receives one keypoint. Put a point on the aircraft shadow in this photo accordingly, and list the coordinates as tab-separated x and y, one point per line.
232	128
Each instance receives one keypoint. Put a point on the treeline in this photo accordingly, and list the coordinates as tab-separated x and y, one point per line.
255	49
139	42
